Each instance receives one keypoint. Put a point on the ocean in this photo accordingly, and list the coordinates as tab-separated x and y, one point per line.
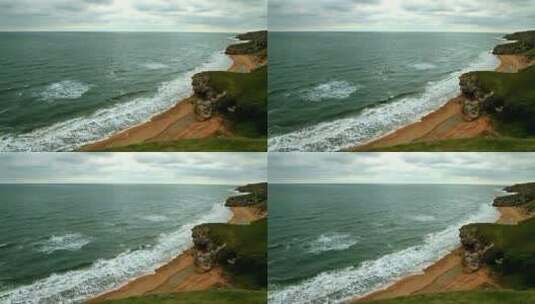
330	91
59	91
67	243
329	243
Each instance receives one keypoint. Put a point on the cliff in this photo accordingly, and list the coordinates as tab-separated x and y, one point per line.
256	194
240	249
522	196
522	43
255	43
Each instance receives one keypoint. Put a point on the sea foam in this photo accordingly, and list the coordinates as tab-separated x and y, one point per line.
67	89
72	134
79	285
379	120
332	242
341	285
68	242
330	90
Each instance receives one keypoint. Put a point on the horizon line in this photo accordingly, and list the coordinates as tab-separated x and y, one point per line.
389	31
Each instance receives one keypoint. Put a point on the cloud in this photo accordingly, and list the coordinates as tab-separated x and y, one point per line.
402	15
134	15
420	168
165	168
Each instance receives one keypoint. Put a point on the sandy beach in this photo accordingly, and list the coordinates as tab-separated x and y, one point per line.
177	123
447	274
180	275
448	122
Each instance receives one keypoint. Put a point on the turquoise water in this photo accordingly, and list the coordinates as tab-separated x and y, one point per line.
59	91
329	91
328	243
65	243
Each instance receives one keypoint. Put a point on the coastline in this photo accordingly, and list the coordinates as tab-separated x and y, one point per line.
447	122
180	274
447	274
176	123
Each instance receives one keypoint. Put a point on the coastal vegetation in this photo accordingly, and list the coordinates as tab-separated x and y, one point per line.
215	144
467	297
215	296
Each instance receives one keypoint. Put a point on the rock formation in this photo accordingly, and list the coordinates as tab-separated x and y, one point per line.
206	97
476	98
475	248
205	249
256	194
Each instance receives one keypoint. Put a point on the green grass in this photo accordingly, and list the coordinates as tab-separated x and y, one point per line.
514	92
479	144
200	145
212	296
248	92
513	253
249	244
471	297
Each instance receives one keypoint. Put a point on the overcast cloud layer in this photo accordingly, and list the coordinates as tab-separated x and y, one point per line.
133	15
402	15
140	168
402	168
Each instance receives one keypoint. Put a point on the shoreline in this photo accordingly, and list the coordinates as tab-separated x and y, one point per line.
447	122
179	274
176	123
446	274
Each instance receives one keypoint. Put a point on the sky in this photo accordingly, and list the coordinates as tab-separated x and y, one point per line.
402	15
133	15
402	168
133	168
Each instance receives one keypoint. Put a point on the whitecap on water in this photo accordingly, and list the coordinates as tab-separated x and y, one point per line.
337	89
332	242
68	242
422	218
155	218
424	66
154	65
67	89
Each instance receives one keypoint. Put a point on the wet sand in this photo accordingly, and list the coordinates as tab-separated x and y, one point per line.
177	123
448	273
448	122
180	275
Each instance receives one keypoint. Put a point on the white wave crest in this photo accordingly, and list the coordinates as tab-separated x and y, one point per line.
67	89
154	65
424	66
377	121
332	242
330	90
68	242
340	285
74	133
79	285
155	218
423	218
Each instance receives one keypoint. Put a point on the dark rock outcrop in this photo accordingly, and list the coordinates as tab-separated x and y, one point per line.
476	249
206	250
256	194
521	194
477	100
256	42
206	97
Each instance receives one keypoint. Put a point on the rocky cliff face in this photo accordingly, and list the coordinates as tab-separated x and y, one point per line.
206	250
522	42
256	43
206	97
477	100
476	249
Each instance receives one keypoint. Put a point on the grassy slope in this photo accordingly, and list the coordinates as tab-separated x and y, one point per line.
472	297
480	144
200	145
516	246
249	244
247	91
221	296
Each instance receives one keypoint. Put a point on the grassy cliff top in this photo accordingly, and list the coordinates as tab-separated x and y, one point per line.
256	42
247	92
212	296
472	297
513	251
239	144
524	43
